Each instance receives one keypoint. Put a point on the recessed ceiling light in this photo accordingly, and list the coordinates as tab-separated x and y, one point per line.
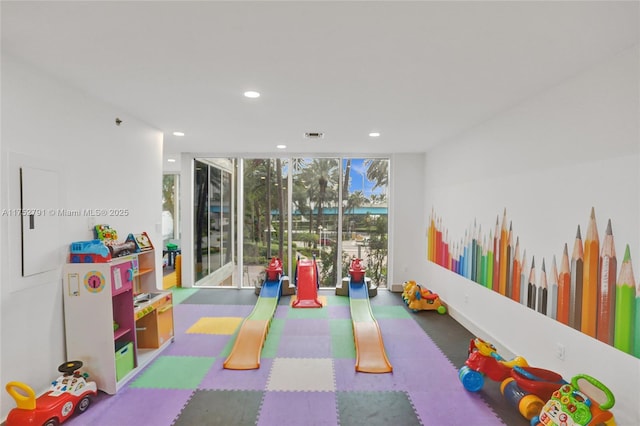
252	94
178	134
374	134
171	160
281	146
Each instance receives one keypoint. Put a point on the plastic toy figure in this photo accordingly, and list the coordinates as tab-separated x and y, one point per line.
418	298
69	393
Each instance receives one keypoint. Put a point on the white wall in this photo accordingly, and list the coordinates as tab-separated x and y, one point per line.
48	125
547	161
407	246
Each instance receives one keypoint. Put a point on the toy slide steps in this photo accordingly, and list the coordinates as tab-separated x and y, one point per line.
370	353
245	354
307	292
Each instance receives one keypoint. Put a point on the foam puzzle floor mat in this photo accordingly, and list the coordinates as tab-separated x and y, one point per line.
307	372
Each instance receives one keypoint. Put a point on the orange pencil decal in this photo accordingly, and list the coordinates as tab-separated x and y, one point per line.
564	288
495	285
504	241
577	264
515	276
523	279
590	278
607	289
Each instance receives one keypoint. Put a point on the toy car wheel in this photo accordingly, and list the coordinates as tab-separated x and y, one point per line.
51	422
471	380
442	310
83	405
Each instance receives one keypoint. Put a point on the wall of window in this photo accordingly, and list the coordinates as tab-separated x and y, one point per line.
213	202
331	209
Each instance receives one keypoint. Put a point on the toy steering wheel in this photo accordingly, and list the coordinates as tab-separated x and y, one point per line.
70	367
611	400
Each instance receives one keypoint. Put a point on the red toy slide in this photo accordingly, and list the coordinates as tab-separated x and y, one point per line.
307	285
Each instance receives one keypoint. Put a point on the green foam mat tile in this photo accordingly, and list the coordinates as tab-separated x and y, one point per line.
333	300
395	312
174	372
228	408
342	343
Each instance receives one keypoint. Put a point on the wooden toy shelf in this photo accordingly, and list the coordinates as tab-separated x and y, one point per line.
116	318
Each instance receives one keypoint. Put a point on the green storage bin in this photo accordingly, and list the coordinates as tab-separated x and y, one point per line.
124	359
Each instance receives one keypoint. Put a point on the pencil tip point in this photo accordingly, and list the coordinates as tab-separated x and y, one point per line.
578	236
593	213
609	231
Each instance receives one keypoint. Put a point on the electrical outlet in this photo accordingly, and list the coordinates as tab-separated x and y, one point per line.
560	352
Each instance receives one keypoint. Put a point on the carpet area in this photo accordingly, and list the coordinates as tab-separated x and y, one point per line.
307	373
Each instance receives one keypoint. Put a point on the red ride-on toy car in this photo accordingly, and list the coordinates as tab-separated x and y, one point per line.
483	361
69	393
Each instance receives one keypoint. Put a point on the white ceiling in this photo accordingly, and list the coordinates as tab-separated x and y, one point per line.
420	73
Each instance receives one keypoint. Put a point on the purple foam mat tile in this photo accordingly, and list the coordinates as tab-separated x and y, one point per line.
452	408
339	312
348	379
281	311
419	376
184	316
401	326
412	347
306	327
219	378
304	347
207	345
140	407
298	408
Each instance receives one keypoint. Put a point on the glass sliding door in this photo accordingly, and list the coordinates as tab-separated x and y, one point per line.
266	218
365	229
213	221
170	209
315	199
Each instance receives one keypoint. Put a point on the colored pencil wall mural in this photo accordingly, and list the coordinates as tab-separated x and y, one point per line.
586	292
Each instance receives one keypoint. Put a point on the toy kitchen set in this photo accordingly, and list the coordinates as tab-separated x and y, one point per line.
116	318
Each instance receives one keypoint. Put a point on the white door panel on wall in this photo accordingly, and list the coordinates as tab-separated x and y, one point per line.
39	204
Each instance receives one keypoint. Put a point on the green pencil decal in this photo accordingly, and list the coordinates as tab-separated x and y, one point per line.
625	307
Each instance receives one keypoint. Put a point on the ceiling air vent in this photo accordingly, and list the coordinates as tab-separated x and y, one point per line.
314	135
